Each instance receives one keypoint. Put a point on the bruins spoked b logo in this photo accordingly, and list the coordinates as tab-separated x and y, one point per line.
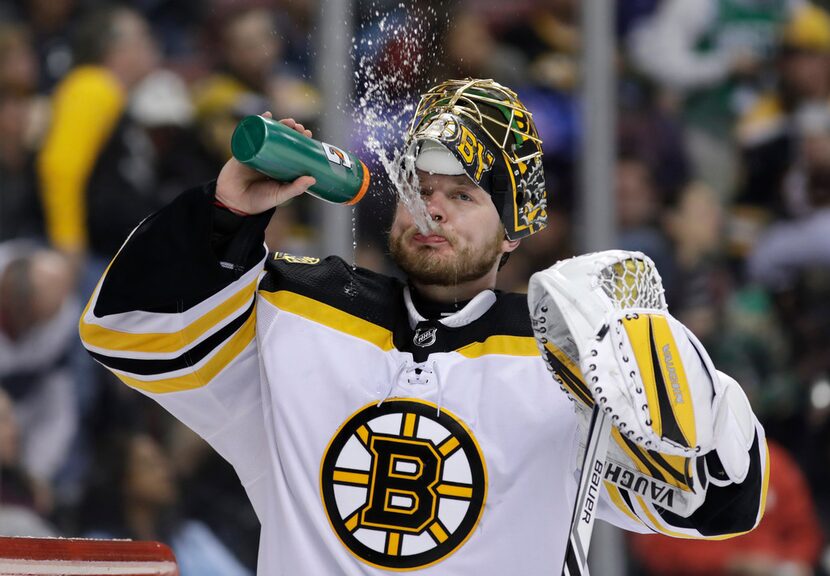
402	486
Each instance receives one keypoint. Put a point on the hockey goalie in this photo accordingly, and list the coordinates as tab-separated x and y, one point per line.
382	425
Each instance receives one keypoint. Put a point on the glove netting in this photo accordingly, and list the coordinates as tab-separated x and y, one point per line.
632	283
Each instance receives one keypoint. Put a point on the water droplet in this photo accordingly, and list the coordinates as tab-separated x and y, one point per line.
389	84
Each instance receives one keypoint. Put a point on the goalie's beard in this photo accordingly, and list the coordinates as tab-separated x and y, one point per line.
427	265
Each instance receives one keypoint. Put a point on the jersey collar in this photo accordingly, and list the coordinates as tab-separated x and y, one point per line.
474	310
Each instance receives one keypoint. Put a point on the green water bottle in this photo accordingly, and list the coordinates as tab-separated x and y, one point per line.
284	154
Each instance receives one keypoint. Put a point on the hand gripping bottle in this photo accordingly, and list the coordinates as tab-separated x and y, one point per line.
284	154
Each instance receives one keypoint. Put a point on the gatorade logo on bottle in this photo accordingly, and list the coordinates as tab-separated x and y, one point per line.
336	155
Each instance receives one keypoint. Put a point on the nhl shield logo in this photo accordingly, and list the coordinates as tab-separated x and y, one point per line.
403	485
425	337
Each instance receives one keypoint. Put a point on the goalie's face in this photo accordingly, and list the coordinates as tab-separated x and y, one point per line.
465	244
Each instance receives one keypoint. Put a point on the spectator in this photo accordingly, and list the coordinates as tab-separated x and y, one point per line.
768	131
630	13
695	223
51	22
711	53
176	25
298	30
95	168
787	249
38	318
792	260
471	51
638	215
549	38
133	494
20	210
249	79
211	493
22	500
787	541
162	106
649	129
22	120
228	95
18	64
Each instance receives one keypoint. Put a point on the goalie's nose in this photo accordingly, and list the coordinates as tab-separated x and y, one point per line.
436	209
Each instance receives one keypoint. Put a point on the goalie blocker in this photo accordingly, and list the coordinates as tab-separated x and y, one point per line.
685	441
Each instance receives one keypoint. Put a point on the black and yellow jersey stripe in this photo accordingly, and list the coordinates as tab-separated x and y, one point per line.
170	313
324	291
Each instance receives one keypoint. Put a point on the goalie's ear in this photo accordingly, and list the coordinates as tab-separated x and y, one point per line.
508	245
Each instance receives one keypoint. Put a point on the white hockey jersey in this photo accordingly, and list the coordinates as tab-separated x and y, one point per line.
369	439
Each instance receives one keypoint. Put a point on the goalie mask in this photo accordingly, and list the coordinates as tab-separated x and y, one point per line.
481	129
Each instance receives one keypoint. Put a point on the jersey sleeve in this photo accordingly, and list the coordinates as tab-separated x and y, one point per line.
174	317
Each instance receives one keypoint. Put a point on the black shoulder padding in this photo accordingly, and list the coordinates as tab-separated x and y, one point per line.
181	255
369	295
378	299
510	315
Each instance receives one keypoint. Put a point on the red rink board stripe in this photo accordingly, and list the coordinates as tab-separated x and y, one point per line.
85	568
76	557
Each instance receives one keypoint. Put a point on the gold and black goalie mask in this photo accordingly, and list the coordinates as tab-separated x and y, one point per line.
490	132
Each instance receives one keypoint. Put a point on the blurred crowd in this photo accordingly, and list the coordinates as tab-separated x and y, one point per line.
107	111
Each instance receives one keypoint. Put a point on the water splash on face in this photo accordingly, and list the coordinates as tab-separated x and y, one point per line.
392	52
